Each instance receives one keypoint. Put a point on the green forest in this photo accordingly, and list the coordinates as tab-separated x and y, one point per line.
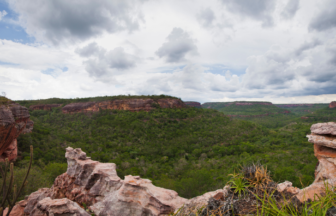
189	150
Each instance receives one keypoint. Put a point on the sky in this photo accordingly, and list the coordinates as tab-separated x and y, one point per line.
283	51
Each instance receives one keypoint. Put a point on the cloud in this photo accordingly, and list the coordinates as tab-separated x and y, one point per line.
206	17
178	45
290	9
103	63
35	57
64	21
89	50
259	10
325	19
2	14
307	46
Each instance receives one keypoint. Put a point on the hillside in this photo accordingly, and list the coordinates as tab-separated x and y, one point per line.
302	109
263	113
189	150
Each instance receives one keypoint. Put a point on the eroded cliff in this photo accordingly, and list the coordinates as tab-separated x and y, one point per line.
126	104
14	120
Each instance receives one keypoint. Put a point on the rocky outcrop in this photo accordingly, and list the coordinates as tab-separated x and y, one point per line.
97	186
193	104
323	135
14	120
127	104
332	104
44	106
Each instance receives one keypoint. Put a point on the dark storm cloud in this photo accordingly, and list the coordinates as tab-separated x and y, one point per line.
70	21
290	9
178	45
326	19
259	9
206	17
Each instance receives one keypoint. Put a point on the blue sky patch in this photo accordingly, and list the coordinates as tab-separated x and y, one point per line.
10	31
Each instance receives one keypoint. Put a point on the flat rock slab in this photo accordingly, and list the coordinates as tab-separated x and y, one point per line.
324	128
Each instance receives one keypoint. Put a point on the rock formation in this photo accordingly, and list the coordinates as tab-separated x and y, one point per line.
126	104
323	135
332	104
98	186
44	106
14	120
193	104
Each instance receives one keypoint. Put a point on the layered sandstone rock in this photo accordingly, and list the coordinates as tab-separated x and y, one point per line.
193	104
323	135
332	104
14	120
126	104
98	186
44	106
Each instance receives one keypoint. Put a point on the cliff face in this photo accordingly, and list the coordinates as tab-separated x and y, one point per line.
332	104
44	106
127	104
193	104
14	120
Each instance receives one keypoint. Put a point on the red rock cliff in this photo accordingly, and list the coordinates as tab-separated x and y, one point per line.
332	104
14	120
126	104
44	106
193	104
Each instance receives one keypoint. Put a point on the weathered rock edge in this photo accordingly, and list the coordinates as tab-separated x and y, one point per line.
323	135
14	120
98	186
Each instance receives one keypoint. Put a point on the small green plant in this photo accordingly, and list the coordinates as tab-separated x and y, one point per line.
239	184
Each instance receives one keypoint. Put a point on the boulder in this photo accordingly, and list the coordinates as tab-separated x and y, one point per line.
14	120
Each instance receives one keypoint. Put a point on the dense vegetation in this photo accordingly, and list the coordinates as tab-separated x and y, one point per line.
188	150
304	110
28	103
322	115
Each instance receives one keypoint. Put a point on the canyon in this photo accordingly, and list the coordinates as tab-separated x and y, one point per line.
14	120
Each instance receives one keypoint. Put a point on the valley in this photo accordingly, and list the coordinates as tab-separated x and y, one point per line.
177	146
